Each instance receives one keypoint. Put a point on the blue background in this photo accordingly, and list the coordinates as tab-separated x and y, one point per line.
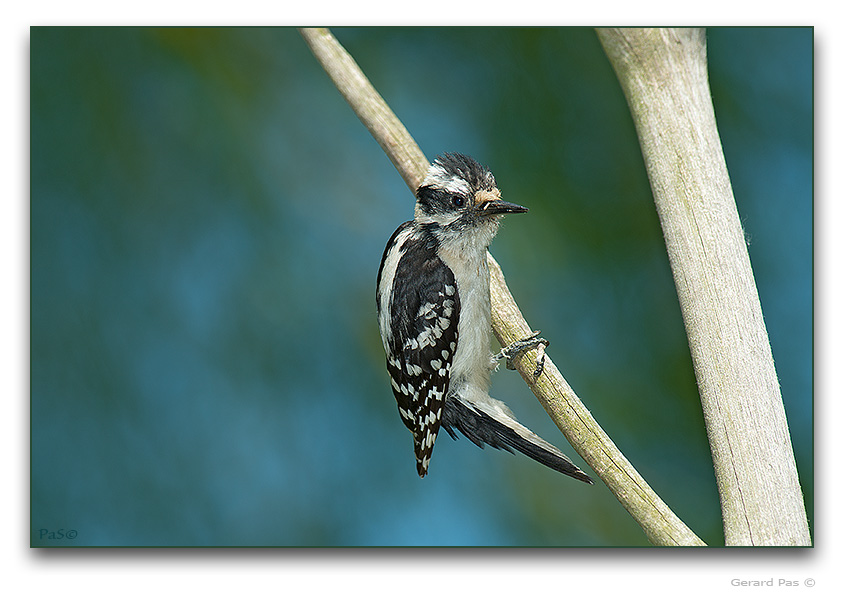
207	218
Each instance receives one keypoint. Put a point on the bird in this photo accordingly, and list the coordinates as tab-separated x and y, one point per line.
434	316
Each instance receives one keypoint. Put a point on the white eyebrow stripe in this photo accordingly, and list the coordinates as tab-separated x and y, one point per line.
439	178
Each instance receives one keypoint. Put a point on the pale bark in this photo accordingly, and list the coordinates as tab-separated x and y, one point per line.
663	73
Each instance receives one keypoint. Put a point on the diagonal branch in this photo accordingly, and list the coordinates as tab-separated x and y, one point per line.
660	524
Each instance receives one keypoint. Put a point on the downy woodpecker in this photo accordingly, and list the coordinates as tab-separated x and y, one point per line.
434	315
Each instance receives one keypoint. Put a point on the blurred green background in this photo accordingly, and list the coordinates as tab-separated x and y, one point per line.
207	219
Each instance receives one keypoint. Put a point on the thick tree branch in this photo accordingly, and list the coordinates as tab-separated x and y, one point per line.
660	524
664	76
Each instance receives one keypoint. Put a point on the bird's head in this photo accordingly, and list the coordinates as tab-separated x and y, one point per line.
459	195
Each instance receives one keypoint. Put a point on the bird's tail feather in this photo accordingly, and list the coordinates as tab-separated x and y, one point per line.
485	424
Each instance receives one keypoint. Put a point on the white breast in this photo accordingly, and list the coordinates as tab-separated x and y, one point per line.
467	259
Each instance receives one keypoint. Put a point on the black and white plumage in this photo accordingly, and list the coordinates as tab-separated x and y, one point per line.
434	315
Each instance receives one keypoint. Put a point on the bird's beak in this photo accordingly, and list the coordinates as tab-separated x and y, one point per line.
490	203
501	207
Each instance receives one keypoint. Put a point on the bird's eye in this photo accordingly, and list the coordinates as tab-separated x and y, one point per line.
458	201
